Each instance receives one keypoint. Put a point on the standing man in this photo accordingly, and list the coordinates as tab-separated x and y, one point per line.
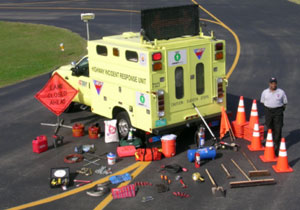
274	100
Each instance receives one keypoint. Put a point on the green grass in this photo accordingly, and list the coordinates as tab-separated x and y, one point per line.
28	50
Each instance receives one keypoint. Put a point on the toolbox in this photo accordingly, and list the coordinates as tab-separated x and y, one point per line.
59	177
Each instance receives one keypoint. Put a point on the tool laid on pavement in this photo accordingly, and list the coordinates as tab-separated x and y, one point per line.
181	194
81	182
73	158
58	140
229	176
103	170
231	145
179	178
147	198
91	162
250	182
85	171
99	190
216	190
197	176
256	172
165	179
142	184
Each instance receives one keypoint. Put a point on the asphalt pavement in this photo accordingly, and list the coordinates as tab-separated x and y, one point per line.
269	35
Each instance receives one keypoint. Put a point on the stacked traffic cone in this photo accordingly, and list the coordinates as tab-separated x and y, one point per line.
249	128
269	155
282	165
256	141
240	121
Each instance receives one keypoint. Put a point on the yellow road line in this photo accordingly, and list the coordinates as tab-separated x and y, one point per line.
134	174
237	41
70	8
80	189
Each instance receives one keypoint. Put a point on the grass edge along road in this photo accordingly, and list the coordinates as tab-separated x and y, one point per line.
29	50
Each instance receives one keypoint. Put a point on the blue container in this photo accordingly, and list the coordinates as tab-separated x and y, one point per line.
205	153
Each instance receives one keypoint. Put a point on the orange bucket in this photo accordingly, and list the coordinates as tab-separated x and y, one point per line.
168	143
94	132
78	130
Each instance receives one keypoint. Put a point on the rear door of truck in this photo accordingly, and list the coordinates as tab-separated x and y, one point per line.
189	77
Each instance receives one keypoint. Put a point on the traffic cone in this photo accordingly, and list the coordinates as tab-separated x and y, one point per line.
241	115
269	155
282	165
256	142
253	115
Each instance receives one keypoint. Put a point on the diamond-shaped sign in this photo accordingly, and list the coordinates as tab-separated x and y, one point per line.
56	95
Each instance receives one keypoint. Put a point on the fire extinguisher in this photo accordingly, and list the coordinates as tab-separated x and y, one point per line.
197	160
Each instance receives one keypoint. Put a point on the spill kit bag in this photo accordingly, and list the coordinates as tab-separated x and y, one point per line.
147	154
126	151
111	132
137	142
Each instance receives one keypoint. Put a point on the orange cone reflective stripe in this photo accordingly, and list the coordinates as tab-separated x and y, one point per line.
269	154
256	142
282	165
241	115
253	115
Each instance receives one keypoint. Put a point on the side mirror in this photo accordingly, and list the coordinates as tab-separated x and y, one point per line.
75	71
73	63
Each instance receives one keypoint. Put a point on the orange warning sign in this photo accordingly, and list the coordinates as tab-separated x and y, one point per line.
56	95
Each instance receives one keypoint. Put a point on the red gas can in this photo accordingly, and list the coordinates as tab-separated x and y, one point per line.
40	144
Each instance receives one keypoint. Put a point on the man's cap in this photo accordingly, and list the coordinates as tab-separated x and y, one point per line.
273	79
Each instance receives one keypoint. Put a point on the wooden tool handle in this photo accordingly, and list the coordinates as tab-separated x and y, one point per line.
251	163
210	177
225	169
241	170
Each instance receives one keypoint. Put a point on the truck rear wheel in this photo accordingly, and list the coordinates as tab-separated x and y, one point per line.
123	123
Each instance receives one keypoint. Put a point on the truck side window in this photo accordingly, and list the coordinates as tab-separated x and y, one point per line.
131	56
101	50
83	67
200	78
179	82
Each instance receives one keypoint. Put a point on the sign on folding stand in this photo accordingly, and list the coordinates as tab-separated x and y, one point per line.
56	96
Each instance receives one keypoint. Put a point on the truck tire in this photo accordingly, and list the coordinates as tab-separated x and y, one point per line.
123	124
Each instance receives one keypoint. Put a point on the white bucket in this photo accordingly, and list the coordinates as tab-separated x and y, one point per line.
111	158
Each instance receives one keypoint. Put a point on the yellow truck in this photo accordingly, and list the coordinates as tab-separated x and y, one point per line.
149	80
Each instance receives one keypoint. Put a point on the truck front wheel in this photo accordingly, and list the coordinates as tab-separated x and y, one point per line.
123	123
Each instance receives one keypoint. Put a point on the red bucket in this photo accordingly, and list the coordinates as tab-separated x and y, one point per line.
78	130
168	143
94	132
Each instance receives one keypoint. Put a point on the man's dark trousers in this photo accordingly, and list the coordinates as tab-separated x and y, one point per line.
274	121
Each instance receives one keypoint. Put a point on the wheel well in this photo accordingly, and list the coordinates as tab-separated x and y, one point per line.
116	111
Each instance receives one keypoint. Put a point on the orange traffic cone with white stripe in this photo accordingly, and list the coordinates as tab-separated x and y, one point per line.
256	142
241	115
253	115
282	165
269	155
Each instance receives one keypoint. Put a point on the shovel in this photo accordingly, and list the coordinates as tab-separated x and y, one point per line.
216	191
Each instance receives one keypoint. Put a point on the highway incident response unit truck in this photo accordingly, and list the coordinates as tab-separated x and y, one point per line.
149	80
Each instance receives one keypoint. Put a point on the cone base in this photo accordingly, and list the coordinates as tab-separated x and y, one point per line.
255	149
288	170
263	159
